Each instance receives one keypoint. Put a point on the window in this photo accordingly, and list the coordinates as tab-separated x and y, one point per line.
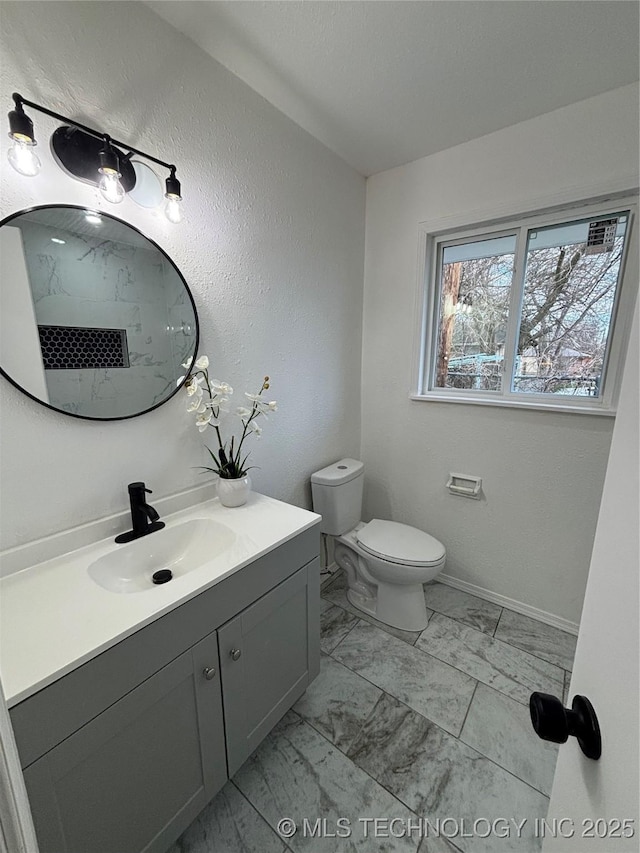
526	314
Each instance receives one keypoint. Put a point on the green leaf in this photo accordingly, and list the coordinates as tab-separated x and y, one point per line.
213	456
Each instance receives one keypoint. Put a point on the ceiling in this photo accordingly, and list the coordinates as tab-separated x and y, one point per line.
383	83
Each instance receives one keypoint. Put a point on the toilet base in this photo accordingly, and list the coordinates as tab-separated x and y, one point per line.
398	605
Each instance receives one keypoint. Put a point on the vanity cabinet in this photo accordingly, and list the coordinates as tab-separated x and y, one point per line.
264	664
122	753
155	757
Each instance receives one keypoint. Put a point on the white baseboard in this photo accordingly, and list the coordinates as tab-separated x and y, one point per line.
511	604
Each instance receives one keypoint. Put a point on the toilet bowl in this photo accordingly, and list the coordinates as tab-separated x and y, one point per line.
386	563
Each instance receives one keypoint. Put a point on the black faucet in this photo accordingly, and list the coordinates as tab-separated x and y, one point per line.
144	518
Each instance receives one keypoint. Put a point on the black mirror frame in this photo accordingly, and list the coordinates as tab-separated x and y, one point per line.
182	278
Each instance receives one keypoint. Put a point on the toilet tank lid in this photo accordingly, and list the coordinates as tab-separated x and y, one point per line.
338	473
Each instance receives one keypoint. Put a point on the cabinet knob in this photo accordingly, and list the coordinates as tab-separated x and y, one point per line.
209	672
235	654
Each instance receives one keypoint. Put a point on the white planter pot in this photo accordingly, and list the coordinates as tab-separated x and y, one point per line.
234	492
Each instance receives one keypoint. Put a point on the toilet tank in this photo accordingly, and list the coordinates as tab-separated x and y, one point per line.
337	495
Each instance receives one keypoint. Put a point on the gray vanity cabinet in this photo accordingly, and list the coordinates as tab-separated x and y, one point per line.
123	752
264	658
150	761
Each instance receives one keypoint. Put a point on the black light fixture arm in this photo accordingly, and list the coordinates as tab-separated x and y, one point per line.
20	102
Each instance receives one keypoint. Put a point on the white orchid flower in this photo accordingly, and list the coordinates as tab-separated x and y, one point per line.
180	380
209	407
202	363
203	420
193	388
220	400
261	405
187	364
218	387
197	405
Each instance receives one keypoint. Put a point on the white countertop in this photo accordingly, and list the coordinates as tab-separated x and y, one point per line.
54	617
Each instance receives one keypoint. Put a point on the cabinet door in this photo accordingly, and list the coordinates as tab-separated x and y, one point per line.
264	658
134	777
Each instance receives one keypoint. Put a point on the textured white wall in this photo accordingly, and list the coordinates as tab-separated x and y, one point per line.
542	472
271	246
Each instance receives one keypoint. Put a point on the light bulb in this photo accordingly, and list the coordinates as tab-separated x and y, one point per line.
110	186
172	209
22	156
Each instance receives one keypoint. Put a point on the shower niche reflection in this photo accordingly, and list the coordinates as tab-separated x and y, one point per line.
95	318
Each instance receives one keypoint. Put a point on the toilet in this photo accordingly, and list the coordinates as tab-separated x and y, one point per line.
386	563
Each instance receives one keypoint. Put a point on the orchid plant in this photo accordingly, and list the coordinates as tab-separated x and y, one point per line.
209	399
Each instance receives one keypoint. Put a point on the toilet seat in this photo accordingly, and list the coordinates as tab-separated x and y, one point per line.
400	543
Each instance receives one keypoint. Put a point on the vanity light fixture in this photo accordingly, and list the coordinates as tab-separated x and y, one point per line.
21	154
172	208
109	185
87	155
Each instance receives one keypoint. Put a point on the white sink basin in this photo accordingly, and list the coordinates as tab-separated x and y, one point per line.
180	548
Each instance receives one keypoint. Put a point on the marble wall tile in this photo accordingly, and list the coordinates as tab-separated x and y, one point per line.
229	824
427	685
500	728
459	605
297	773
335	624
509	670
97	282
338	702
336	591
438	776
544	641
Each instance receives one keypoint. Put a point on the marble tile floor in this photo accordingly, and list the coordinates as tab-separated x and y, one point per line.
407	725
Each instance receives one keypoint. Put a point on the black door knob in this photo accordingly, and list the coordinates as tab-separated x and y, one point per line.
552	721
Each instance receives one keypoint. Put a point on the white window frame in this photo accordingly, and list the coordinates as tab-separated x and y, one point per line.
432	241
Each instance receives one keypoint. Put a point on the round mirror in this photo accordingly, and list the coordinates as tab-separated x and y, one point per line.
95	319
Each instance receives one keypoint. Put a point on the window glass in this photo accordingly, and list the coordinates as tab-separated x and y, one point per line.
475	291
571	276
